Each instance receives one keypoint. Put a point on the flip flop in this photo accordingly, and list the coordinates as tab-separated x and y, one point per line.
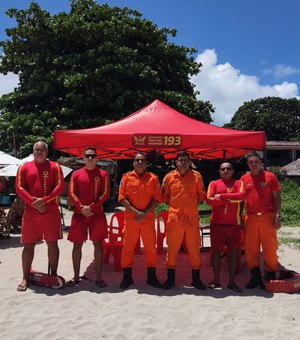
213	285
101	284
72	282
235	288
22	287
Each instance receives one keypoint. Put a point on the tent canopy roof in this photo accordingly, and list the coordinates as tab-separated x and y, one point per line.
159	127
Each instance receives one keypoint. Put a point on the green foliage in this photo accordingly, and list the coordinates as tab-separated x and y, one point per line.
161	207
276	170
290	211
278	117
92	65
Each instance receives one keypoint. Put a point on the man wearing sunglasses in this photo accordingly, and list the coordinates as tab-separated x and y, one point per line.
39	183
139	193
225	196
88	190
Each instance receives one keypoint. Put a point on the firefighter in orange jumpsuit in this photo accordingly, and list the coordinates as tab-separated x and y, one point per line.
263	204
183	189
139	193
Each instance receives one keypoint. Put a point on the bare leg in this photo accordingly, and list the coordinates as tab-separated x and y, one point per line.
27	258
232	266
98	255
216	259
53	256
76	257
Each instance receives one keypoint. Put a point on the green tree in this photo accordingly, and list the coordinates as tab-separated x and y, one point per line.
92	65
280	118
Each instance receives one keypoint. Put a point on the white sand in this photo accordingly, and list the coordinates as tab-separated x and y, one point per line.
142	312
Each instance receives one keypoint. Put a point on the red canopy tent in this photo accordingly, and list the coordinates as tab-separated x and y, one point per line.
159	127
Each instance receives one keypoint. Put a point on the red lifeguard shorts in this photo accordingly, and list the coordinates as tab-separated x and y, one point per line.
95	225
225	234
37	226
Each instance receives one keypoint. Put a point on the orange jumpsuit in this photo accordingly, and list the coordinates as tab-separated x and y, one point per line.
183	193
140	192
260	213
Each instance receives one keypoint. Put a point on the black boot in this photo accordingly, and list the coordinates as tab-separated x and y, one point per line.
152	279
255	280
127	279
196	282
270	276
170	282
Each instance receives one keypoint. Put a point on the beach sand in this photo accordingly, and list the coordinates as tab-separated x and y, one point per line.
141	312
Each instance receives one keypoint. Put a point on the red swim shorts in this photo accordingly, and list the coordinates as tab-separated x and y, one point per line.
225	234
37	227
95	225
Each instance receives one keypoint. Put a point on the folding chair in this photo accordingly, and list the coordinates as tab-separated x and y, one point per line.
161	234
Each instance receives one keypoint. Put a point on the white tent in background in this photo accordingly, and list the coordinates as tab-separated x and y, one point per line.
6	159
11	170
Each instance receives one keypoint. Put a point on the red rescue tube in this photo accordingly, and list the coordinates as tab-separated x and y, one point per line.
289	285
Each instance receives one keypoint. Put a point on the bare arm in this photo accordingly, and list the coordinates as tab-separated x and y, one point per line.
277	206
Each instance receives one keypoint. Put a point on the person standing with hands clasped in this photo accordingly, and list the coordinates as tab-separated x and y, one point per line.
263	204
88	189
183	190
225	196
139	193
39	183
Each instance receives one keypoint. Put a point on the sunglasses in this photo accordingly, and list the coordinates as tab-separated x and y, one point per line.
228	169
140	160
90	156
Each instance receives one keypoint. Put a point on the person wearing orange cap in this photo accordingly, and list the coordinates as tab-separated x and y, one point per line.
263	204
139	193
183	190
225	196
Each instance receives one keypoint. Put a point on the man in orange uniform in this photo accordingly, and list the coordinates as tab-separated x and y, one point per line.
39	183
263	204
139	193
225	196
88	190
183	189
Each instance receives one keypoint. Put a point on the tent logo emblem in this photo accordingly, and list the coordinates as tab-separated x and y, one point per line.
157	140
139	140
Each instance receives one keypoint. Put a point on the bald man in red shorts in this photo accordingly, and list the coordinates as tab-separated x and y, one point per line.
88	190
39	183
225	196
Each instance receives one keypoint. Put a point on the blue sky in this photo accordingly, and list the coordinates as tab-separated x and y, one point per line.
249	48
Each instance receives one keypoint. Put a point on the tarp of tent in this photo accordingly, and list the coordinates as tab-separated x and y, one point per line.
6	159
11	170
159	127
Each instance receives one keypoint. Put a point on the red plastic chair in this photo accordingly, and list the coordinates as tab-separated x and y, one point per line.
161	234
114	244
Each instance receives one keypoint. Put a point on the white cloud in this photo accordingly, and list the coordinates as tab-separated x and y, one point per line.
280	71
227	88
8	83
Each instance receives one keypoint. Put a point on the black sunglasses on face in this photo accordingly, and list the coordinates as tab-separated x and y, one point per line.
228	169
140	160
90	156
